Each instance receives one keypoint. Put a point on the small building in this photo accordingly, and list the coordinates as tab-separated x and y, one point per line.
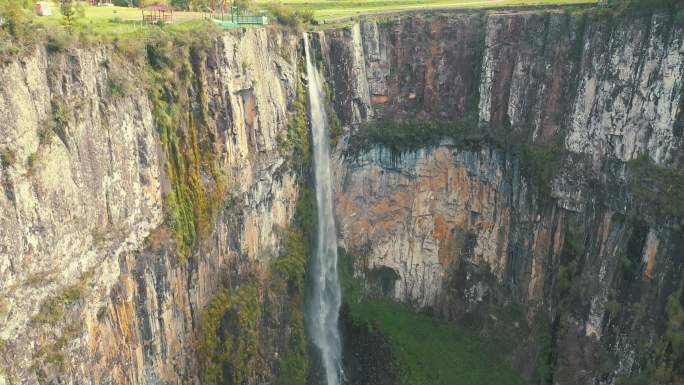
43	8
157	14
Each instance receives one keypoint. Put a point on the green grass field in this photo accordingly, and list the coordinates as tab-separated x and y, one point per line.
121	20
115	21
430	351
332	9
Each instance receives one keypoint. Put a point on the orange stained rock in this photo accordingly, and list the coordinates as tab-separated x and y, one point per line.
650	255
379	99
250	109
443	233
353	221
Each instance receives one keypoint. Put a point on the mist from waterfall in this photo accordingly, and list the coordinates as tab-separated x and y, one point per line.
325	297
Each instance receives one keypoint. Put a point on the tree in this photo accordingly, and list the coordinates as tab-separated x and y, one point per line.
14	17
71	10
246	5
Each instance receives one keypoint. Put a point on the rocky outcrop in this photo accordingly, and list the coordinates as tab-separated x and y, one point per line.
92	288
468	225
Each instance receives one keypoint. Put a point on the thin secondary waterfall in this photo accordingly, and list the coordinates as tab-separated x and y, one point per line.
325	297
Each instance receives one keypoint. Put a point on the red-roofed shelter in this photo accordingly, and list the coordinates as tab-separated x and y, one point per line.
157	14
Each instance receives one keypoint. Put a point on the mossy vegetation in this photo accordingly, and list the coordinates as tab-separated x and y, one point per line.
402	136
175	66
231	324
658	190
425	349
52	310
7	158
431	351
540	162
295	140
661	365
61	329
230	336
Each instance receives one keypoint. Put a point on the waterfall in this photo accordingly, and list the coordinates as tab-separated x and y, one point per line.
325	297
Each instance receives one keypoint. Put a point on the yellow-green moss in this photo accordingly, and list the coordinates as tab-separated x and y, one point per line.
230	335
52	310
295	140
289	271
191	208
230	323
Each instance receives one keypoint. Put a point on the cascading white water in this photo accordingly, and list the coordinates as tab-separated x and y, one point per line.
325	296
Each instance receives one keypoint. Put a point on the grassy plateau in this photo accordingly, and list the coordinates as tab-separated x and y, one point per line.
325	10
122	20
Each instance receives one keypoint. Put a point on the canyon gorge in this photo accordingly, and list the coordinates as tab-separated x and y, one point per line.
516	172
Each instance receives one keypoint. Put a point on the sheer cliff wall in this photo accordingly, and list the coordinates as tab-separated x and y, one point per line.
466	223
94	288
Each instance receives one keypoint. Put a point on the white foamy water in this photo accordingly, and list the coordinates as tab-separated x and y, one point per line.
325	298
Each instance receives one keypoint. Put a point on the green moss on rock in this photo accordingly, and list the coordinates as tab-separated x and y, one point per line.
180	117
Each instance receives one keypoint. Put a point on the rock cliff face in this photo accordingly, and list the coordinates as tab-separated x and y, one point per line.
92	290
97	290
465	226
612	87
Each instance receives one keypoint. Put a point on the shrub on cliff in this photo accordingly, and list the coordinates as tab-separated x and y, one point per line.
658	189
288	16
16	26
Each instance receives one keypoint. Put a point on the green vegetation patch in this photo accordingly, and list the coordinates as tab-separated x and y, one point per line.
232	342
288	276
538	161
401	136
230	335
659	188
425	349
662	365
175	66
295	140
431	351
52	309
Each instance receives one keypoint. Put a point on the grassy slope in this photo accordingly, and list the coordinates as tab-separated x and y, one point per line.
434	352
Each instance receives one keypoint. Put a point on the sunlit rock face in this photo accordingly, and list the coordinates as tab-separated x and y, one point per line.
85	208
464	225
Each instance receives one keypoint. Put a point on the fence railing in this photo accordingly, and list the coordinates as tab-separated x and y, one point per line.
244	19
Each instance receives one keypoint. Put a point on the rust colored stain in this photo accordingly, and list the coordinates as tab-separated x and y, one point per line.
388	213
250	109
442	232
550	121
505	57
430	91
379	99
354	221
651	251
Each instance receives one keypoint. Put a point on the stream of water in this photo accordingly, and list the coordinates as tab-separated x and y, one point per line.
324	304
